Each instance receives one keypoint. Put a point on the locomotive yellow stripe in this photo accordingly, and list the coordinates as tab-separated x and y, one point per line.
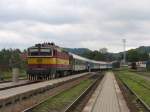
48	61
62	61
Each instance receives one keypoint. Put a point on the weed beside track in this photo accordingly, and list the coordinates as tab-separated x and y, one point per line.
136	83
57	102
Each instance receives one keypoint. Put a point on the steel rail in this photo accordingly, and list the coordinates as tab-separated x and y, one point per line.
34	106
72	106
135	94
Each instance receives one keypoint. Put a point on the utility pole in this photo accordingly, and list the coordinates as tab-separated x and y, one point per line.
124	48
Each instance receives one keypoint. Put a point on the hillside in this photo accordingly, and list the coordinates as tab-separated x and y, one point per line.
138	54
95	55
144	49
78	51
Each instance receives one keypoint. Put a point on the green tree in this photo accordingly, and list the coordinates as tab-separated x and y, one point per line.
134	55
11	58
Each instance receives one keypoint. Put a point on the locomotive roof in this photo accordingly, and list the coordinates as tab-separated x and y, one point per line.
85	59
79	57
45	45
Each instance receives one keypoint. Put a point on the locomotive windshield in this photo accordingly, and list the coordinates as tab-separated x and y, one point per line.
40	52
45	52
33	52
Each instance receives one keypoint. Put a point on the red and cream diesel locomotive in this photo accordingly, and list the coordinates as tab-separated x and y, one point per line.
48	61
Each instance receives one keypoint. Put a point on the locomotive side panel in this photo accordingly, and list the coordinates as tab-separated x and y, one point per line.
62	61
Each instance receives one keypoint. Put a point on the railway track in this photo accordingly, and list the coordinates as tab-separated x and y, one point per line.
144	86
29	95
17	84
145	75
26	82
142	105
79	101
6	81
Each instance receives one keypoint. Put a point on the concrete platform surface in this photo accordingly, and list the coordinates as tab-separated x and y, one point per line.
23	89
107	97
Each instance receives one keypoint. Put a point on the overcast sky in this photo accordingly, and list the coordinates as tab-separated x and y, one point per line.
92	24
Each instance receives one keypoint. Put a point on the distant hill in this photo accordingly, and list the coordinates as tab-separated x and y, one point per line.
140	53
143	49
96	55
78	51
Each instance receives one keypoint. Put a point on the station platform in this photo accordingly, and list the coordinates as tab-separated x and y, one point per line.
107	97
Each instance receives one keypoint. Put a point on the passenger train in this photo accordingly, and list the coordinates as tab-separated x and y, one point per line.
48	61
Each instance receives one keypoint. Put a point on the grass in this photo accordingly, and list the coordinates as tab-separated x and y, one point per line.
144	73
7	75
59	101
138	84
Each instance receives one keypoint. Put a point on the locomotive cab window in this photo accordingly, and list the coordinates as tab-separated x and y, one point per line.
41	52
45	52
33	52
